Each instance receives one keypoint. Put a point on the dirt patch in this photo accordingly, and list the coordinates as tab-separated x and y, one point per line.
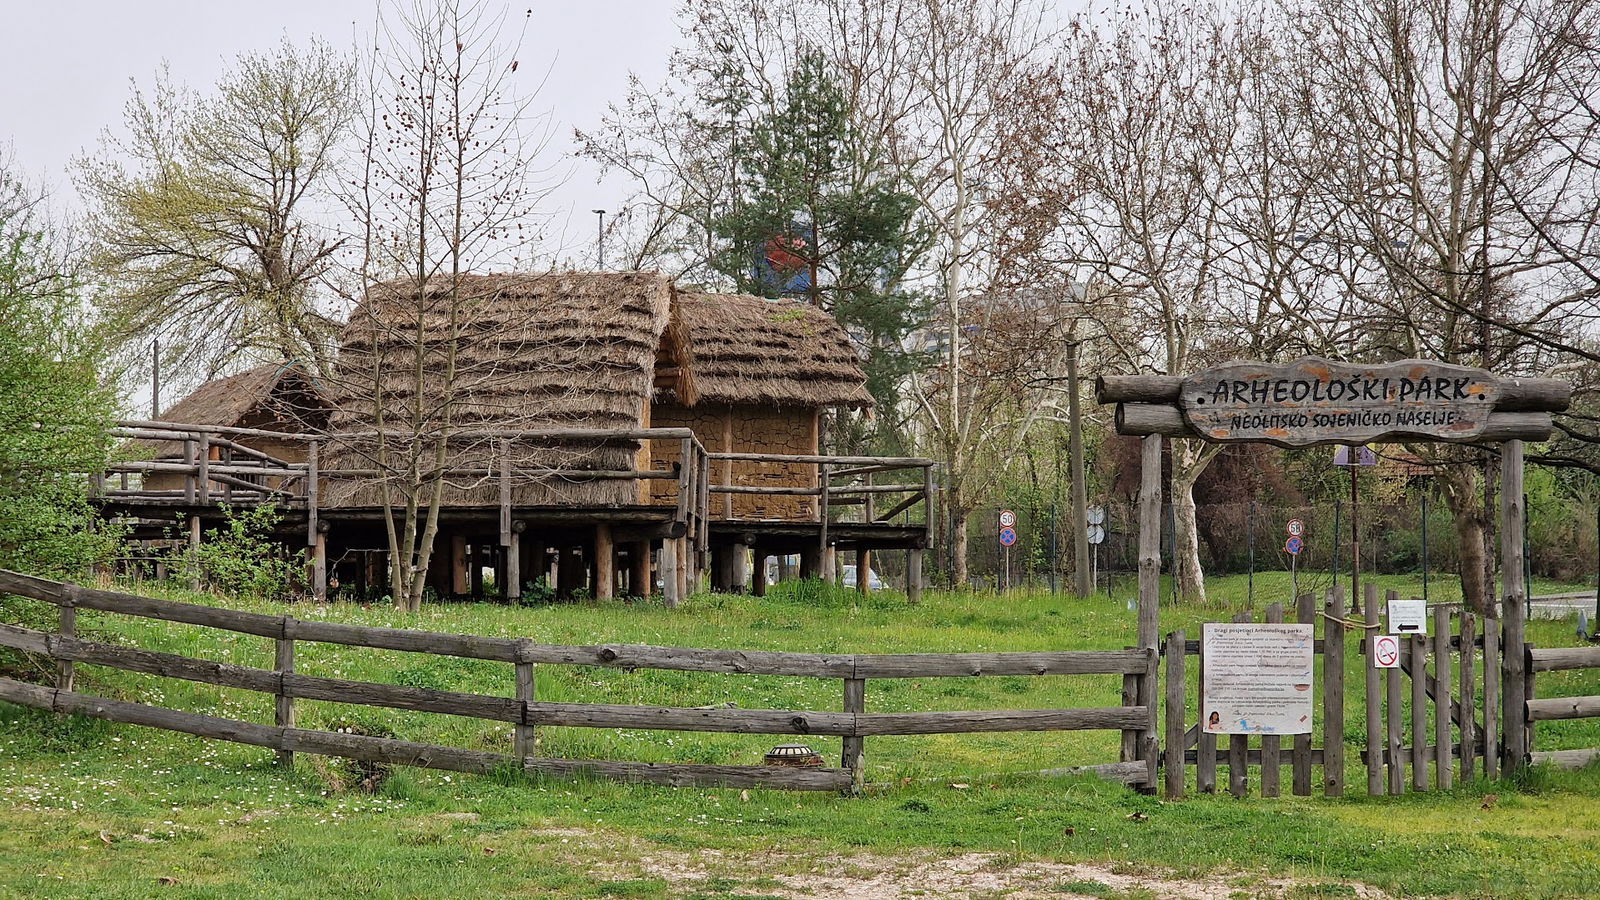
972	876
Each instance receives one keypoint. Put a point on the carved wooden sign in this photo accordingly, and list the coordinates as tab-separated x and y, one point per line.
1320	401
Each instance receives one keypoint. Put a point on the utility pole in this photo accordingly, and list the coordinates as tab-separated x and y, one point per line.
600	238
1080	491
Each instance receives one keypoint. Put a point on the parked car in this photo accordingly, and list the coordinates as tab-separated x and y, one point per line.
847	578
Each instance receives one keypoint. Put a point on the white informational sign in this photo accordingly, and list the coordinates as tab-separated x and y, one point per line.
1386	652
1007	518
1257	678
1408	616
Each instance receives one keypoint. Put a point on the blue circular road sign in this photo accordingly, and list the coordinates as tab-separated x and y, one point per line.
1294	545
1008	535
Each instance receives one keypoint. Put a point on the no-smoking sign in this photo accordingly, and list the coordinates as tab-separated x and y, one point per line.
1386	651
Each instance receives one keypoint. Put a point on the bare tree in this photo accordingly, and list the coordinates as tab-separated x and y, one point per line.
447	182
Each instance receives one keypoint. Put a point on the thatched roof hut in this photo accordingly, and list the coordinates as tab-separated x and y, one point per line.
749	350
280	396
557	350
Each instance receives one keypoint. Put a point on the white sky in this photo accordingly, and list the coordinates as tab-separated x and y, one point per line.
65	67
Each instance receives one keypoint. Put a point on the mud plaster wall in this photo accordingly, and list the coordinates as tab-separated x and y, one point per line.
754	429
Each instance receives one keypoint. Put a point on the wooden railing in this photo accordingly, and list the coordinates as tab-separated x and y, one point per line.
1558	659
525	711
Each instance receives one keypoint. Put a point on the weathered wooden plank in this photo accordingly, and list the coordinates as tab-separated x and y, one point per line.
283	706
144	607
1566	759
25	639
718	719
1491	698
694	775
524	738
1419	710
1128	773
1534	395
1555	659
467	645
1514	606
1049	662
1159	389
1563	708
167	665
1394	711
1252	757
1271	744
1305	612
1113	718
1205	770
888	462
1149	542
1176	713
782	491
1443	774
394	696
690	659
1465	687
1375	696
1138	419
854	755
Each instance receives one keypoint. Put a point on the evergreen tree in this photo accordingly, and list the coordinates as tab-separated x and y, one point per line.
817	216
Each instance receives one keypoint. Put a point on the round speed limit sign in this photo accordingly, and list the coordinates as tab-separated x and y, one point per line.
1007	518
1296	528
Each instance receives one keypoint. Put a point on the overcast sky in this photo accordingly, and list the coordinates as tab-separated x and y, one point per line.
65	67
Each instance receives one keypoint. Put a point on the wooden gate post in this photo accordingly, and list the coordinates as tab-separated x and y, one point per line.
283	664
1176	714
1491	698
1443	772
1514	714
523	740
69	629
1376	748
1333	696
855	756
1419	709
1469	705
1394	698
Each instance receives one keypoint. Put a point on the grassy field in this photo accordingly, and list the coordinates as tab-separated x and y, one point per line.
93	809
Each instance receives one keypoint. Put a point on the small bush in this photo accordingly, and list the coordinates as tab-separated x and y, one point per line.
241	559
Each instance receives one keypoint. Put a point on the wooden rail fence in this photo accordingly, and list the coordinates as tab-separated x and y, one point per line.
1554	708
525	711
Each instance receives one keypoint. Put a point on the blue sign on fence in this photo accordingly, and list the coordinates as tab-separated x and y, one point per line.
1008	535
1294	545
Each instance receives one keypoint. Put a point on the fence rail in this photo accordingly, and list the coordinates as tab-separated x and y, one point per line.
525	711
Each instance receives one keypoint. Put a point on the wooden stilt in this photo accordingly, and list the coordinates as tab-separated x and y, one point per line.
739	568
914	576
194	553
864	572
605	563
1514	609
319	568
639	582
513	590
758	582
684	567
669	572
460	583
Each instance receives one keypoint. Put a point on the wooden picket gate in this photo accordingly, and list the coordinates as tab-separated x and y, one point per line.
1190	745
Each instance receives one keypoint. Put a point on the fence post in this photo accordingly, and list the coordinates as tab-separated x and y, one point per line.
1176	713
203	462
1442	763
1376	748
1419	710
1395	735
69	629
1514	606
1305	614
824	558
855	757
524	740
283	664
1271	744
1469	705
1491	698
1150	741
1333	695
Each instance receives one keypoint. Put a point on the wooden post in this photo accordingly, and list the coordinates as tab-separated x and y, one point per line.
1205	754
1394	719
524	740
914	576
188	474
460	583
1150	741
1419	710
1333	698
1514	610
1176	714
1271	744
1080	493
855	756
194	553
669	571
283	664
319	565
313	492
1300	755
69	628
227	487
642	586
1468	700
1239	751
1149	540
739	568
1491	698
605	563
824	480
203	468
514	563
1443	764
685	585
1375	721
505	493
864	555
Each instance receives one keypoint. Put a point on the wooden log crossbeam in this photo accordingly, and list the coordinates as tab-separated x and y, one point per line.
902	506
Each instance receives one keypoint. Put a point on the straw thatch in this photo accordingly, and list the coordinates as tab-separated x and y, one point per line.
562	350
280	396
747	350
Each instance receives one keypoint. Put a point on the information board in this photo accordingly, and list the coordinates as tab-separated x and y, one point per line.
1408	615
1257	678
1316	401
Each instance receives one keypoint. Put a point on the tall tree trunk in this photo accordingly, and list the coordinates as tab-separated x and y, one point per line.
959	514
1462	488
1189	462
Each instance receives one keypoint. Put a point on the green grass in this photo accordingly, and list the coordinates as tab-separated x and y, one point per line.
93	809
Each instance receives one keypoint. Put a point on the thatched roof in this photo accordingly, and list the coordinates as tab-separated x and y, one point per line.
557	350
280	396
748	350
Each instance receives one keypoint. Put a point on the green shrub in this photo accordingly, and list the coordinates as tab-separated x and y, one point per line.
241	559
